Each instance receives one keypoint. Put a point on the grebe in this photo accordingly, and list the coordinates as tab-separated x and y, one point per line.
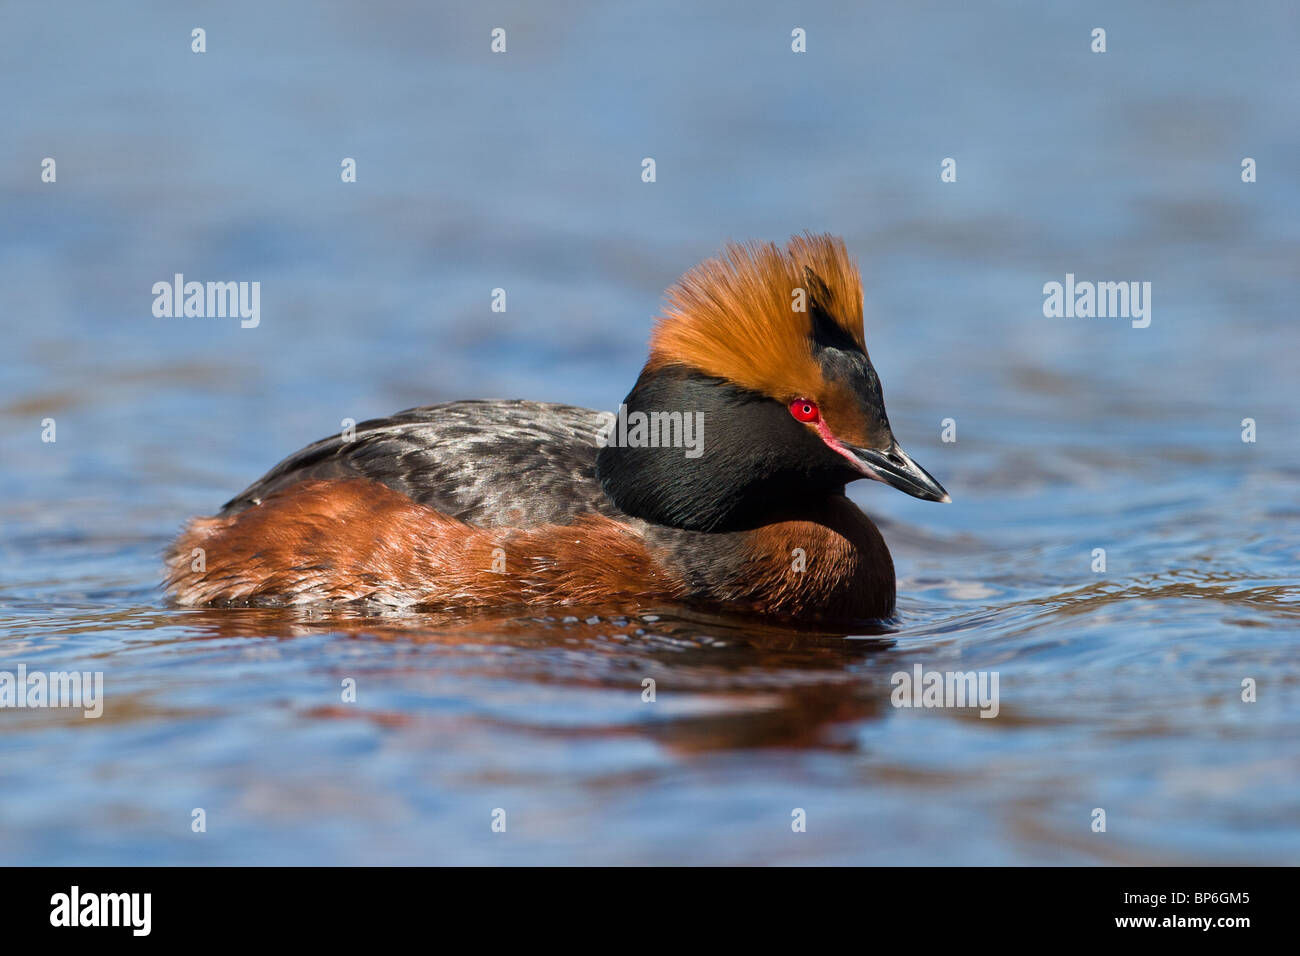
720	481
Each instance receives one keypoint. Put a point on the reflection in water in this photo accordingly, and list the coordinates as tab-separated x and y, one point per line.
764	685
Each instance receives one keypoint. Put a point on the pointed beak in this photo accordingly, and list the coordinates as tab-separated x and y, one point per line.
894	467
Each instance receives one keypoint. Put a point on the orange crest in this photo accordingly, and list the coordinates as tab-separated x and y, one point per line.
747	315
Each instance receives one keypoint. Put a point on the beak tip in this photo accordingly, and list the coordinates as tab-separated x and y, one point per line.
893	467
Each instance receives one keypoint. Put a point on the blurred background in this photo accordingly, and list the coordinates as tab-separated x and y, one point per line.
522	170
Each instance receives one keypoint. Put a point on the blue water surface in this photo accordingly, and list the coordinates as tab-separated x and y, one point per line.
1120	689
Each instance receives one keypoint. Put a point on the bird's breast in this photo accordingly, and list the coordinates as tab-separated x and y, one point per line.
829	563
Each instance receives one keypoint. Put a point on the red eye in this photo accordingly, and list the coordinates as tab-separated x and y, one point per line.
805	410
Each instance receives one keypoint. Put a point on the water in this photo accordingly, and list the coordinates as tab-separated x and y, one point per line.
1119	690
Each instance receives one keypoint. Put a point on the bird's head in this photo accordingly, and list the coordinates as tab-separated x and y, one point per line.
763	347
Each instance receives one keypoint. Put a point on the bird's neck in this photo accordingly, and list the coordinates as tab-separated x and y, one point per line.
691	451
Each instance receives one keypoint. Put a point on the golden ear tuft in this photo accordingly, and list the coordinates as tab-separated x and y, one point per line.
746	315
